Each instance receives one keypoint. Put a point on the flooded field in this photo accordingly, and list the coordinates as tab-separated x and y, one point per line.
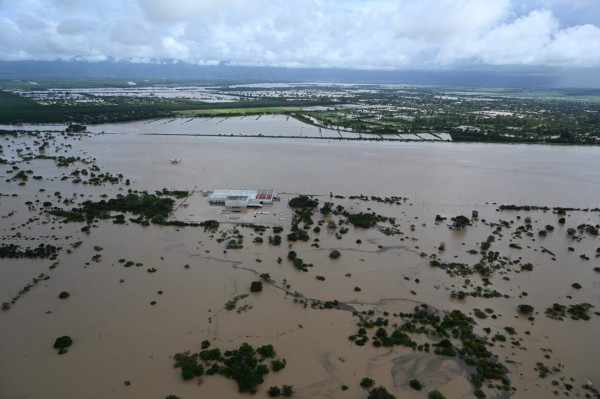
141	290
281	126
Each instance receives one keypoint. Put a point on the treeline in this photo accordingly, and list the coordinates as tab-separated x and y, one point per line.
17	109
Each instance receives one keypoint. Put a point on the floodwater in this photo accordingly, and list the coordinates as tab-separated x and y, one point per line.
119	336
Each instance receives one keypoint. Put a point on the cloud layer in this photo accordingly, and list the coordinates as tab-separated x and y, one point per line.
375	34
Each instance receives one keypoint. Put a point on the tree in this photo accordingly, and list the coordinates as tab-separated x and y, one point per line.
415	384
525	309
367	382
62	343
435	394
380	393
459	222
256	286
287	391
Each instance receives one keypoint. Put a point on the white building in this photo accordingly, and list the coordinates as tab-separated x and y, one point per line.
253	198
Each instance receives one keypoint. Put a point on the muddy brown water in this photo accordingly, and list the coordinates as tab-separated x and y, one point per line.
119	336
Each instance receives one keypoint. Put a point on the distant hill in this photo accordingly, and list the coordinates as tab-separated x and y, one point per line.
522	77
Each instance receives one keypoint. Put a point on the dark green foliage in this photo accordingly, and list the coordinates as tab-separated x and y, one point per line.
435	394
527	267
64	295
460	222
205	344
243	366
148	206
335	254
298	235
525	309
189	365
287	391
210	225
256	286
63	342
479	394
41	251
275	240
267	351
380	393
278	365
367	382
274	391
210	354
364	220
415	384
303	201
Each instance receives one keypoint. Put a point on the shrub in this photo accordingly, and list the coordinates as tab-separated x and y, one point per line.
335	254
415	384
303	201
266	351
525	309
278	365
287	391
64	295
274	391
367	382
62	343
380	393
256	286
435	394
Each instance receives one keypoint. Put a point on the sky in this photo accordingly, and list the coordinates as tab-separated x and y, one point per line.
370	34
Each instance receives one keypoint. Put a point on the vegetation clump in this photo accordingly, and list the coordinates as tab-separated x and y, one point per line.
415	384
303	201
256	286
380	393
243	365
62	343
41	251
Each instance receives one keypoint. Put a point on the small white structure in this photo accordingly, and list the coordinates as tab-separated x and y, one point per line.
251	198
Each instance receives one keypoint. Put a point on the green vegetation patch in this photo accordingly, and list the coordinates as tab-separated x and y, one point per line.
244	365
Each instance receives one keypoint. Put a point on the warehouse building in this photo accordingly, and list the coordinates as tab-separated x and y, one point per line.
250	198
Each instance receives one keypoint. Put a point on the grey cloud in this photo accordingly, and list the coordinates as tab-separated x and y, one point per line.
352	33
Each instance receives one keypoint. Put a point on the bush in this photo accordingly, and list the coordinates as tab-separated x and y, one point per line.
380	393
256	286
287	391
303	201
266	351
274	391
278	365
367	382
62	343
525	309
335	254
64	295
435	394
415	384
